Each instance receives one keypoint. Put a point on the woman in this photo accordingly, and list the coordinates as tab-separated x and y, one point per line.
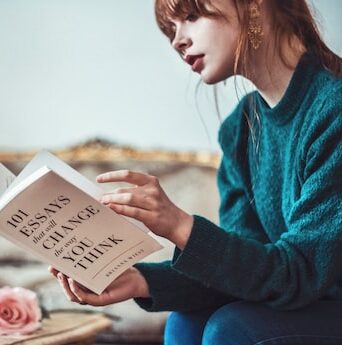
271	273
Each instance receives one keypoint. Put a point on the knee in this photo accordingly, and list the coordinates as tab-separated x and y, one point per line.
179	330
173	325
229	325
185	328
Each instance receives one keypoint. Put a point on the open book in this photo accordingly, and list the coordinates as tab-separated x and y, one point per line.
53	212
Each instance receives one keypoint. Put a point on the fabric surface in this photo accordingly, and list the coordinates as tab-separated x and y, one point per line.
280	236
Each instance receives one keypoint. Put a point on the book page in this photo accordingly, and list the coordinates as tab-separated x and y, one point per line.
6	178
16	189
45	158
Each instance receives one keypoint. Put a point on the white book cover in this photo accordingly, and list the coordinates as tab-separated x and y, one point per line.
53	212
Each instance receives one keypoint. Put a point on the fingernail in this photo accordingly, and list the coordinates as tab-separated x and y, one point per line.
71	283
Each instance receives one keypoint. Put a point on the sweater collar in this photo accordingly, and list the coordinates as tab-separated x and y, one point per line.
294	94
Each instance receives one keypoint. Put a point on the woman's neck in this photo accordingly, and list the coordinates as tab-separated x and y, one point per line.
271	75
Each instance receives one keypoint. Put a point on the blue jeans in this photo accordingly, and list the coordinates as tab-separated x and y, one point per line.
243	323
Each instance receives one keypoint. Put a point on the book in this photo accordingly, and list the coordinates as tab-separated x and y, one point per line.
54	212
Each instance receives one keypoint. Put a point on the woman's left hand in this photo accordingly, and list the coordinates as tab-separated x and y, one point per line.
130	284
147	202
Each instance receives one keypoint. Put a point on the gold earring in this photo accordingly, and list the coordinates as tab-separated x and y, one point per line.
255	30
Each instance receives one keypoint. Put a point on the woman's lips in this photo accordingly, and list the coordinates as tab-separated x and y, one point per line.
196	62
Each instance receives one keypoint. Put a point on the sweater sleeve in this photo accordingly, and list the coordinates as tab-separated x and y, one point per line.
306	260
171	290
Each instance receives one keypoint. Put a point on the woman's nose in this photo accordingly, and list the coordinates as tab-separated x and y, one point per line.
181	42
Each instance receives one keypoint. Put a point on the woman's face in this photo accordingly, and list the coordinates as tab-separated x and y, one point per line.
208	45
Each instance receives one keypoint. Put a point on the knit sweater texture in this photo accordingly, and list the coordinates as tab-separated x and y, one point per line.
279	241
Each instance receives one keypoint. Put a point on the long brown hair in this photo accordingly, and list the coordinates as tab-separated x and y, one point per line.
291	18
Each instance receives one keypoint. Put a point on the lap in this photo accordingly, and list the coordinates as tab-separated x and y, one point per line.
243	323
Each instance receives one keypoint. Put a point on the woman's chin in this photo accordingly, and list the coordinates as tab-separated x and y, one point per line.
213	78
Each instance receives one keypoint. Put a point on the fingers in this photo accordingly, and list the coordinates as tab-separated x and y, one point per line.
132	177
145	195
139	200
74	291
53	271
116	293
132	212
78	291
86	297
66	288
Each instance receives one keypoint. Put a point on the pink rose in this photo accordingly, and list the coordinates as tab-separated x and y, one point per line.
19	311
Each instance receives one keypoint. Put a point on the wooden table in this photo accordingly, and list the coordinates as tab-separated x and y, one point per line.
63	328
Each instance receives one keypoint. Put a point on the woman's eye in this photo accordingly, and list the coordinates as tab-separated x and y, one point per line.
191	17
171	37
171	32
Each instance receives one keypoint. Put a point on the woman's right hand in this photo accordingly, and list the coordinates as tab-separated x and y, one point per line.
130	284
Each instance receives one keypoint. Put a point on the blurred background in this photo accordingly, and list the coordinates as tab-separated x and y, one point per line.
74	70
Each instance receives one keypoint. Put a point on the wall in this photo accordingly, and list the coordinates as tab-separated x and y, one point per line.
71	70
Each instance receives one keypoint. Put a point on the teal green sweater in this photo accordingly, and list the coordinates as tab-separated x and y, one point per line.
280	236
